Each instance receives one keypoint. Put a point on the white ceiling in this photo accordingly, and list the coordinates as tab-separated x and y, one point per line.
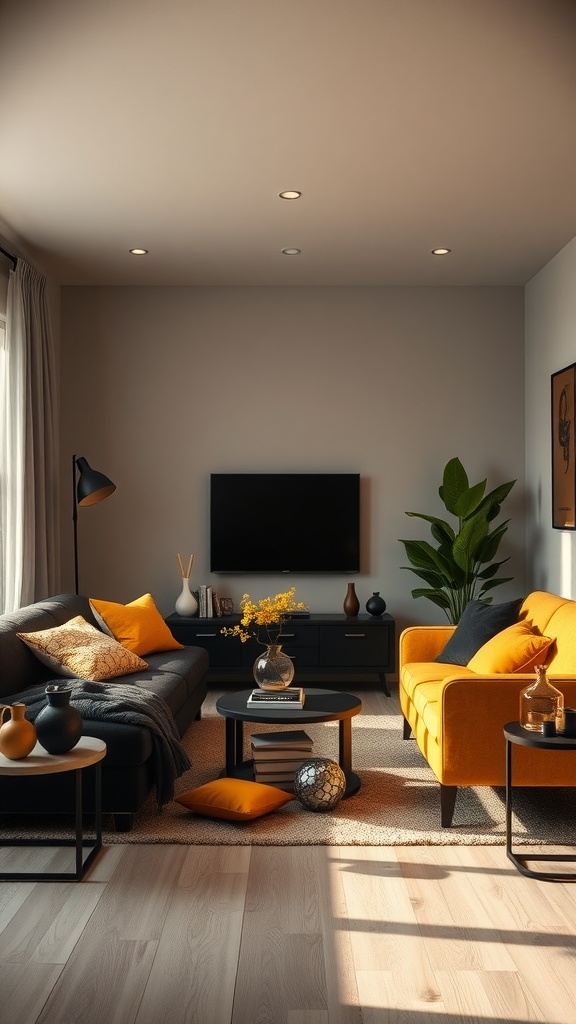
174	124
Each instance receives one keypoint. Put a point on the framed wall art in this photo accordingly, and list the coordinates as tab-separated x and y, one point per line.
563	452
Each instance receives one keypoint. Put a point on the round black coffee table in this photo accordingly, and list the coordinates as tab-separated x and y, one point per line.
319	706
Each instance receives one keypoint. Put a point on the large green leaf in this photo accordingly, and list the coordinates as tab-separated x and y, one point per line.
435	579
468	502
468	542
454	484
491	570
490	584
441	530
492	502
436	596
490	546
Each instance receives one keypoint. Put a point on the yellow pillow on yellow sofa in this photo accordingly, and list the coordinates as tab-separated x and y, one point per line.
78	649
138	626
516	649
234	799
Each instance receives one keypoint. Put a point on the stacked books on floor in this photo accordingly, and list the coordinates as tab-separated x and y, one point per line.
278	755
291	697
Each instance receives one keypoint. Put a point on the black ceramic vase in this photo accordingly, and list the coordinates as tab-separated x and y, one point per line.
59	726
375	605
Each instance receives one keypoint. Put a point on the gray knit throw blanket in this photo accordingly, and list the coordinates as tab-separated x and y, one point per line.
130	704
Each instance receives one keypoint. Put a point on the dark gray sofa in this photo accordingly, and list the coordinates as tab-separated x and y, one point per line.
179	677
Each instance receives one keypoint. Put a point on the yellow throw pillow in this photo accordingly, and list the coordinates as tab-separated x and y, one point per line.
516	649
78	649
138	626
234	799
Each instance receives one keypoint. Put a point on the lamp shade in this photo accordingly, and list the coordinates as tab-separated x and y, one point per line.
92	486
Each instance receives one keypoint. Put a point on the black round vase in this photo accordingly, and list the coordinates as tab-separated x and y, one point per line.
59	726
375	605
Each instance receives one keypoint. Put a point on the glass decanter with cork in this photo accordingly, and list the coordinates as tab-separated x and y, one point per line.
541	702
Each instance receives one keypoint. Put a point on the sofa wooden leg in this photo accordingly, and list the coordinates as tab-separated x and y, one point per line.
406	730
447	804
123	822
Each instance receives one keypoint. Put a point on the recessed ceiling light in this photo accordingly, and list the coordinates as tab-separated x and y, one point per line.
139	252
289	195
291	252
441	252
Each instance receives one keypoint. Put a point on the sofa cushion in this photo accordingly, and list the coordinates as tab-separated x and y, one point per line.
421	681
138	626
234	799
518	648
562	626
80	650
479	623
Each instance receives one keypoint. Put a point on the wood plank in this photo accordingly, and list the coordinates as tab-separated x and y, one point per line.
487	996
24	988
24	933
286	943
103	981
122	938
452	920
384	932
194	972
59	940
12	896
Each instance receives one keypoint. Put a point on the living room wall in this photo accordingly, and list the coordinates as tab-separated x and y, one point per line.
162	386
550	345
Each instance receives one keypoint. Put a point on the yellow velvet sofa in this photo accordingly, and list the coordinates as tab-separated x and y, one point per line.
456	714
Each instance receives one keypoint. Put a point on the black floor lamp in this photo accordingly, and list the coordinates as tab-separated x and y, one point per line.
92	487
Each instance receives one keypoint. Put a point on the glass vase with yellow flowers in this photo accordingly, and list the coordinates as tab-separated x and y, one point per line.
264	621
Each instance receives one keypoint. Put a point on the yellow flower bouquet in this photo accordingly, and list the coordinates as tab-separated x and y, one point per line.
263	620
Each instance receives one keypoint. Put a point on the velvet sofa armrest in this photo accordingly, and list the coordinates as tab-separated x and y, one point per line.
423	643
473	711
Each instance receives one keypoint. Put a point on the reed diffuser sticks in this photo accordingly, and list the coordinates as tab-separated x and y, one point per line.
185	575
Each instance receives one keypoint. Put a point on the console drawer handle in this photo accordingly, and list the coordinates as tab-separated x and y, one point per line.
286	636
205	634
359	635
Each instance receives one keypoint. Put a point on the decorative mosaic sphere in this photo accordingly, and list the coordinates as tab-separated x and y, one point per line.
319	784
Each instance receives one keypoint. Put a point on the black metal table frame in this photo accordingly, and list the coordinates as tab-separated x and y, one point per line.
79	841
537	741
235	766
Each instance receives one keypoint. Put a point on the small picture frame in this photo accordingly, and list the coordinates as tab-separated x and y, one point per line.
227	605
563	449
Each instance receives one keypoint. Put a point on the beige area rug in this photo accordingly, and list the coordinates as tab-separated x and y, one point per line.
397	805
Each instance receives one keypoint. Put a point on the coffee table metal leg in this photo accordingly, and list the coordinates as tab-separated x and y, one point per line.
239	743
345	744
230	746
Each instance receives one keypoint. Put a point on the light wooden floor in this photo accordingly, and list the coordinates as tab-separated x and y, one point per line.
289	935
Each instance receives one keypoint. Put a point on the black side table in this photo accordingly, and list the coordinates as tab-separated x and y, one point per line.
516	734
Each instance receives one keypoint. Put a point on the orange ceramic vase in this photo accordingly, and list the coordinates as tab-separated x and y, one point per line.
17	734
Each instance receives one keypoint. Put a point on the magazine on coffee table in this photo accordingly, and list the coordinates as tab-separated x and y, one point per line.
292	697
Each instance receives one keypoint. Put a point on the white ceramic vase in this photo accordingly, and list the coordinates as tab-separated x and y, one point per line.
186	603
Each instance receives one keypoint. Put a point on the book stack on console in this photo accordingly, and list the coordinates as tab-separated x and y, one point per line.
278	755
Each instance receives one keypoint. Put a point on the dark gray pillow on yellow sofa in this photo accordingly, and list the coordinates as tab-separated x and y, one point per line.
479	623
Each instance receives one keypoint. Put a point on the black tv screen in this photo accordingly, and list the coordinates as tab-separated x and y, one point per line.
285	522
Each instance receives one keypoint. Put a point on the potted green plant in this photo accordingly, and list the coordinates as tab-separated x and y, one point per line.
459	568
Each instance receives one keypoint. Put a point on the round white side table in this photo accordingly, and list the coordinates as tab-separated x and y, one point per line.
88	751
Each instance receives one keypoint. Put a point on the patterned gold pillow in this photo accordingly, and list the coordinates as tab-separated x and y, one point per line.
79	649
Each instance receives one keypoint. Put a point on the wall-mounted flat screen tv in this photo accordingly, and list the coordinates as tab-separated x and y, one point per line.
285	523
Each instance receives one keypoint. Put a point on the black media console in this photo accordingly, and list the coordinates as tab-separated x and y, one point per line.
319	644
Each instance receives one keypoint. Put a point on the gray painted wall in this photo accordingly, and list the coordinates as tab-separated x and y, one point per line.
161	386
550	345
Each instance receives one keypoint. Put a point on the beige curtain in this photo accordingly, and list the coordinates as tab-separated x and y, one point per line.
29	551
